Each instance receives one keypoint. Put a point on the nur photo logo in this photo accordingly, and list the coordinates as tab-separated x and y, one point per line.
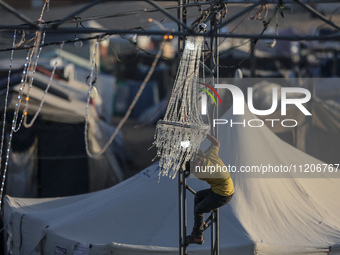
289	96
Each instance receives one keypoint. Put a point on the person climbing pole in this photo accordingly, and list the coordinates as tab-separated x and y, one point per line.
219	194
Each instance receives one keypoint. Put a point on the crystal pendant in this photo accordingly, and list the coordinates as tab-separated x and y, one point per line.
179	135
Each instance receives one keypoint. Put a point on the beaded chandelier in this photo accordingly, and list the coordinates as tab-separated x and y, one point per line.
179	135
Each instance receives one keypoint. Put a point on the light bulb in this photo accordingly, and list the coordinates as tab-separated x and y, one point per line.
190	45
185	144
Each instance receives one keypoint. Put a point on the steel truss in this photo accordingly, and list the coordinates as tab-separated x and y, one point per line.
183	31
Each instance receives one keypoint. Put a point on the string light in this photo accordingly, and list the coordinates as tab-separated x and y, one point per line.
15	116
28	125
17	105
38	35
23	81
46	4
4	118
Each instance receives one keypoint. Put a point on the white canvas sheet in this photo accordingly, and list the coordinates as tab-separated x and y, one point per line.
140	215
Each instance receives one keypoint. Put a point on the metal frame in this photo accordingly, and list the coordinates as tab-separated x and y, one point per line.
181	16
54	27
214	75
183	174
183	30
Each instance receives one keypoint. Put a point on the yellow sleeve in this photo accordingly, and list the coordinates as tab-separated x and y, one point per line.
203	175
212	153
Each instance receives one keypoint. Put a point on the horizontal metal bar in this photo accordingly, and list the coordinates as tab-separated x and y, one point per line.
88	6
277	1
246	1
96	2
189	188
70	30
16	13
123	14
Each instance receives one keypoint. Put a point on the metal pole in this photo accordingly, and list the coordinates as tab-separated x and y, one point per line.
217	232
213	69
180	174
216	56
180	38
217	70
212	226
184	190
215	26
252	59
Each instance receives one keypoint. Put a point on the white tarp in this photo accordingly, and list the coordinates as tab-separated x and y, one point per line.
140	215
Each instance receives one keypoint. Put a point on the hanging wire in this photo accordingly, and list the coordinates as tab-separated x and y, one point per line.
139	12
46	4
325	24
17	109
132	105
108	32
28	125
4	117
24	113
14	121
261	17
237	26
34	53
117	57
23	81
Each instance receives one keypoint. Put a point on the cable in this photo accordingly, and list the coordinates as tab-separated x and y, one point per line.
137	12
335	37
127	114
317	14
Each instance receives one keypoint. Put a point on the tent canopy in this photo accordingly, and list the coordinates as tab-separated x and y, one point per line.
279	214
